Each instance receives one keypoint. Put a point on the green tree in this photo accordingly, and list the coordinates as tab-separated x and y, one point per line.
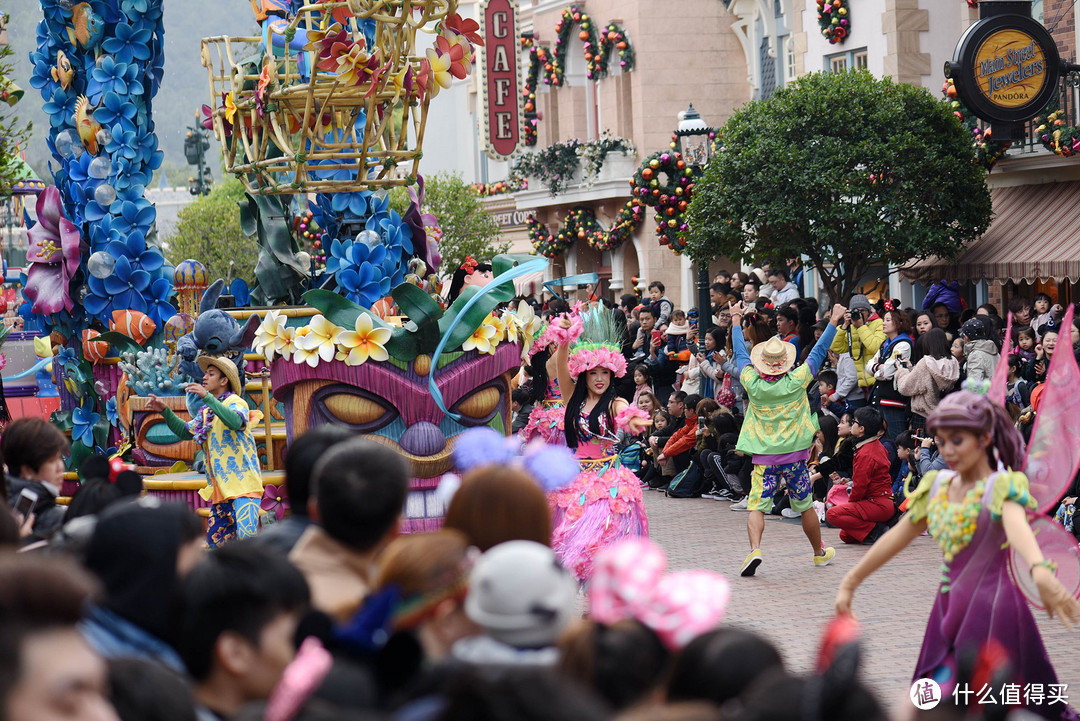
209	231
846	169
467	228
13	131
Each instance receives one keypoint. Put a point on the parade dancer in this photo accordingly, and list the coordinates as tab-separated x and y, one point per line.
547	415
779	430
978	515
604	503
223	428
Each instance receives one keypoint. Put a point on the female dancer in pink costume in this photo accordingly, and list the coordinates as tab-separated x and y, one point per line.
546	417
979	516
604	503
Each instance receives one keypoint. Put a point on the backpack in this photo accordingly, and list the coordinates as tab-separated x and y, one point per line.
687	484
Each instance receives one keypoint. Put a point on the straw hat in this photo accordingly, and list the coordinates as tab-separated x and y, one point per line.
774	357
226	366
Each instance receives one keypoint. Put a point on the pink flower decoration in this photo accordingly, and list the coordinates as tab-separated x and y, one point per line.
275	499
53	256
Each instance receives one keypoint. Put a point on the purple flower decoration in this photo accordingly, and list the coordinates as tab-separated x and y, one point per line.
53	256
426	249
275	499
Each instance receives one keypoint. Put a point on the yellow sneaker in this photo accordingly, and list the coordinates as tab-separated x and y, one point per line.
753	560
826	558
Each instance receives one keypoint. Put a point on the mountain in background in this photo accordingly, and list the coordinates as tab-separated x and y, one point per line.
183	91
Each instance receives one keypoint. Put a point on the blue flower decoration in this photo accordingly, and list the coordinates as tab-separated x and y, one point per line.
126	285
134	247
133	216
111	412
361	271
124	143
157	300
113	77
355	204
84	420
114	110
61	107
66	355
128	43
41	78
134	7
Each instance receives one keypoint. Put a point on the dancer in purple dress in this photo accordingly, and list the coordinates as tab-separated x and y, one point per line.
978	515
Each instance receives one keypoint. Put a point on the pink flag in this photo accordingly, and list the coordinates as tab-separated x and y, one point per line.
1000	382
1054	452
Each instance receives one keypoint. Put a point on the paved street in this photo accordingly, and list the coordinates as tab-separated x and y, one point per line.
790	600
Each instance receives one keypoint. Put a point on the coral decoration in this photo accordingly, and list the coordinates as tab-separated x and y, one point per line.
834	19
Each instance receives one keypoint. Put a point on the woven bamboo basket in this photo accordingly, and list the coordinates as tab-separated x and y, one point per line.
305	138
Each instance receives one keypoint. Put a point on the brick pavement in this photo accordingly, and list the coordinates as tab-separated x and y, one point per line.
790	600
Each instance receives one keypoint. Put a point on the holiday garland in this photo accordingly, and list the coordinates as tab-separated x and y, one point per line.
1055	135
834	19
987	151
554	165
597	47
500	187
581	224
538	55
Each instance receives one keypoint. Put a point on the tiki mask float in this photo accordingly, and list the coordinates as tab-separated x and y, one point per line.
389	402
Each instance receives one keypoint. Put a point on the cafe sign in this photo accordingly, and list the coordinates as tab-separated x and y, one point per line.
1007	67
500	79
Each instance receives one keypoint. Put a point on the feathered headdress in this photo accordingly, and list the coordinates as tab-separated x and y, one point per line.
599	344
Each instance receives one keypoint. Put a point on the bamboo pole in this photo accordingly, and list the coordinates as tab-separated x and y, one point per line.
265	376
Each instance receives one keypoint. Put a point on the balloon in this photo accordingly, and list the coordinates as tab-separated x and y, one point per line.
100	167
105	194
101	263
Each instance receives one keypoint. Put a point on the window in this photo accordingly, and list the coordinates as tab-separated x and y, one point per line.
789	59
768	70
1037	10
851	60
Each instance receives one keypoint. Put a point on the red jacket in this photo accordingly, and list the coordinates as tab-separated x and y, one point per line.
870	477
683	439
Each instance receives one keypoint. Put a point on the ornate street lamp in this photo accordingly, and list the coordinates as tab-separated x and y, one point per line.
695	145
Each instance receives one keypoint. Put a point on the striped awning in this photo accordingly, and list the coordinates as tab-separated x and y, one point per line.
1035	234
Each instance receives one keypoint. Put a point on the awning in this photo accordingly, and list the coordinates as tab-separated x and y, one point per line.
1035	234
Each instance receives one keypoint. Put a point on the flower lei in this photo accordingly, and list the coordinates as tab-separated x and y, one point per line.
834	20
204	420
1064	140
987	151
597	47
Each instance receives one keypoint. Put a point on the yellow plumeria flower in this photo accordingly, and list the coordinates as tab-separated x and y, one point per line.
528	326
317	343
498	334
355	347
510	322
480	339
230	108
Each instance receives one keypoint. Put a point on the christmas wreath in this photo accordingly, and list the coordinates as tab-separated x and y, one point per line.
834	19
581	224
545	244
664	182
598	47
987	151
1055	135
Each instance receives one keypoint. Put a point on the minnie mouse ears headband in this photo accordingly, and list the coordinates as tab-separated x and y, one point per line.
551	467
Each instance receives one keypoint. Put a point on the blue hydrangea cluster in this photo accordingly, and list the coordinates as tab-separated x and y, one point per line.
110	52
368	242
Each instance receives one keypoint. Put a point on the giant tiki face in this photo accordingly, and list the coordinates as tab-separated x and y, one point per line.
389	403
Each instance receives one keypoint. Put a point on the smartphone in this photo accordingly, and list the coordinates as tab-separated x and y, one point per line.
656	336
26	502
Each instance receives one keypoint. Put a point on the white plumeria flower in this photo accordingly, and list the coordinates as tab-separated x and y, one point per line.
273	337
318	340
529	324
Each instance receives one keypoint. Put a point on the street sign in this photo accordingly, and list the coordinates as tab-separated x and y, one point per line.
501	127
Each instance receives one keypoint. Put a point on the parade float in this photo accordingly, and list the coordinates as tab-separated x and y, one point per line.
319	116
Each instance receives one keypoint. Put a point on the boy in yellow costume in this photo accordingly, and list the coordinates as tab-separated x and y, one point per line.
223	428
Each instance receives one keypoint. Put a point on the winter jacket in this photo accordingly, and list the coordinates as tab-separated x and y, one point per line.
862	343
785	295
847	379
684	439
884	367
871	477
982	359
48	516
925	383
947	292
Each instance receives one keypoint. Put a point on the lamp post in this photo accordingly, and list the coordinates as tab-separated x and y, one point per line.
696	149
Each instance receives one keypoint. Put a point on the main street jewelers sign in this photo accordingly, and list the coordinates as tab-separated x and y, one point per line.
500	79
1007	66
